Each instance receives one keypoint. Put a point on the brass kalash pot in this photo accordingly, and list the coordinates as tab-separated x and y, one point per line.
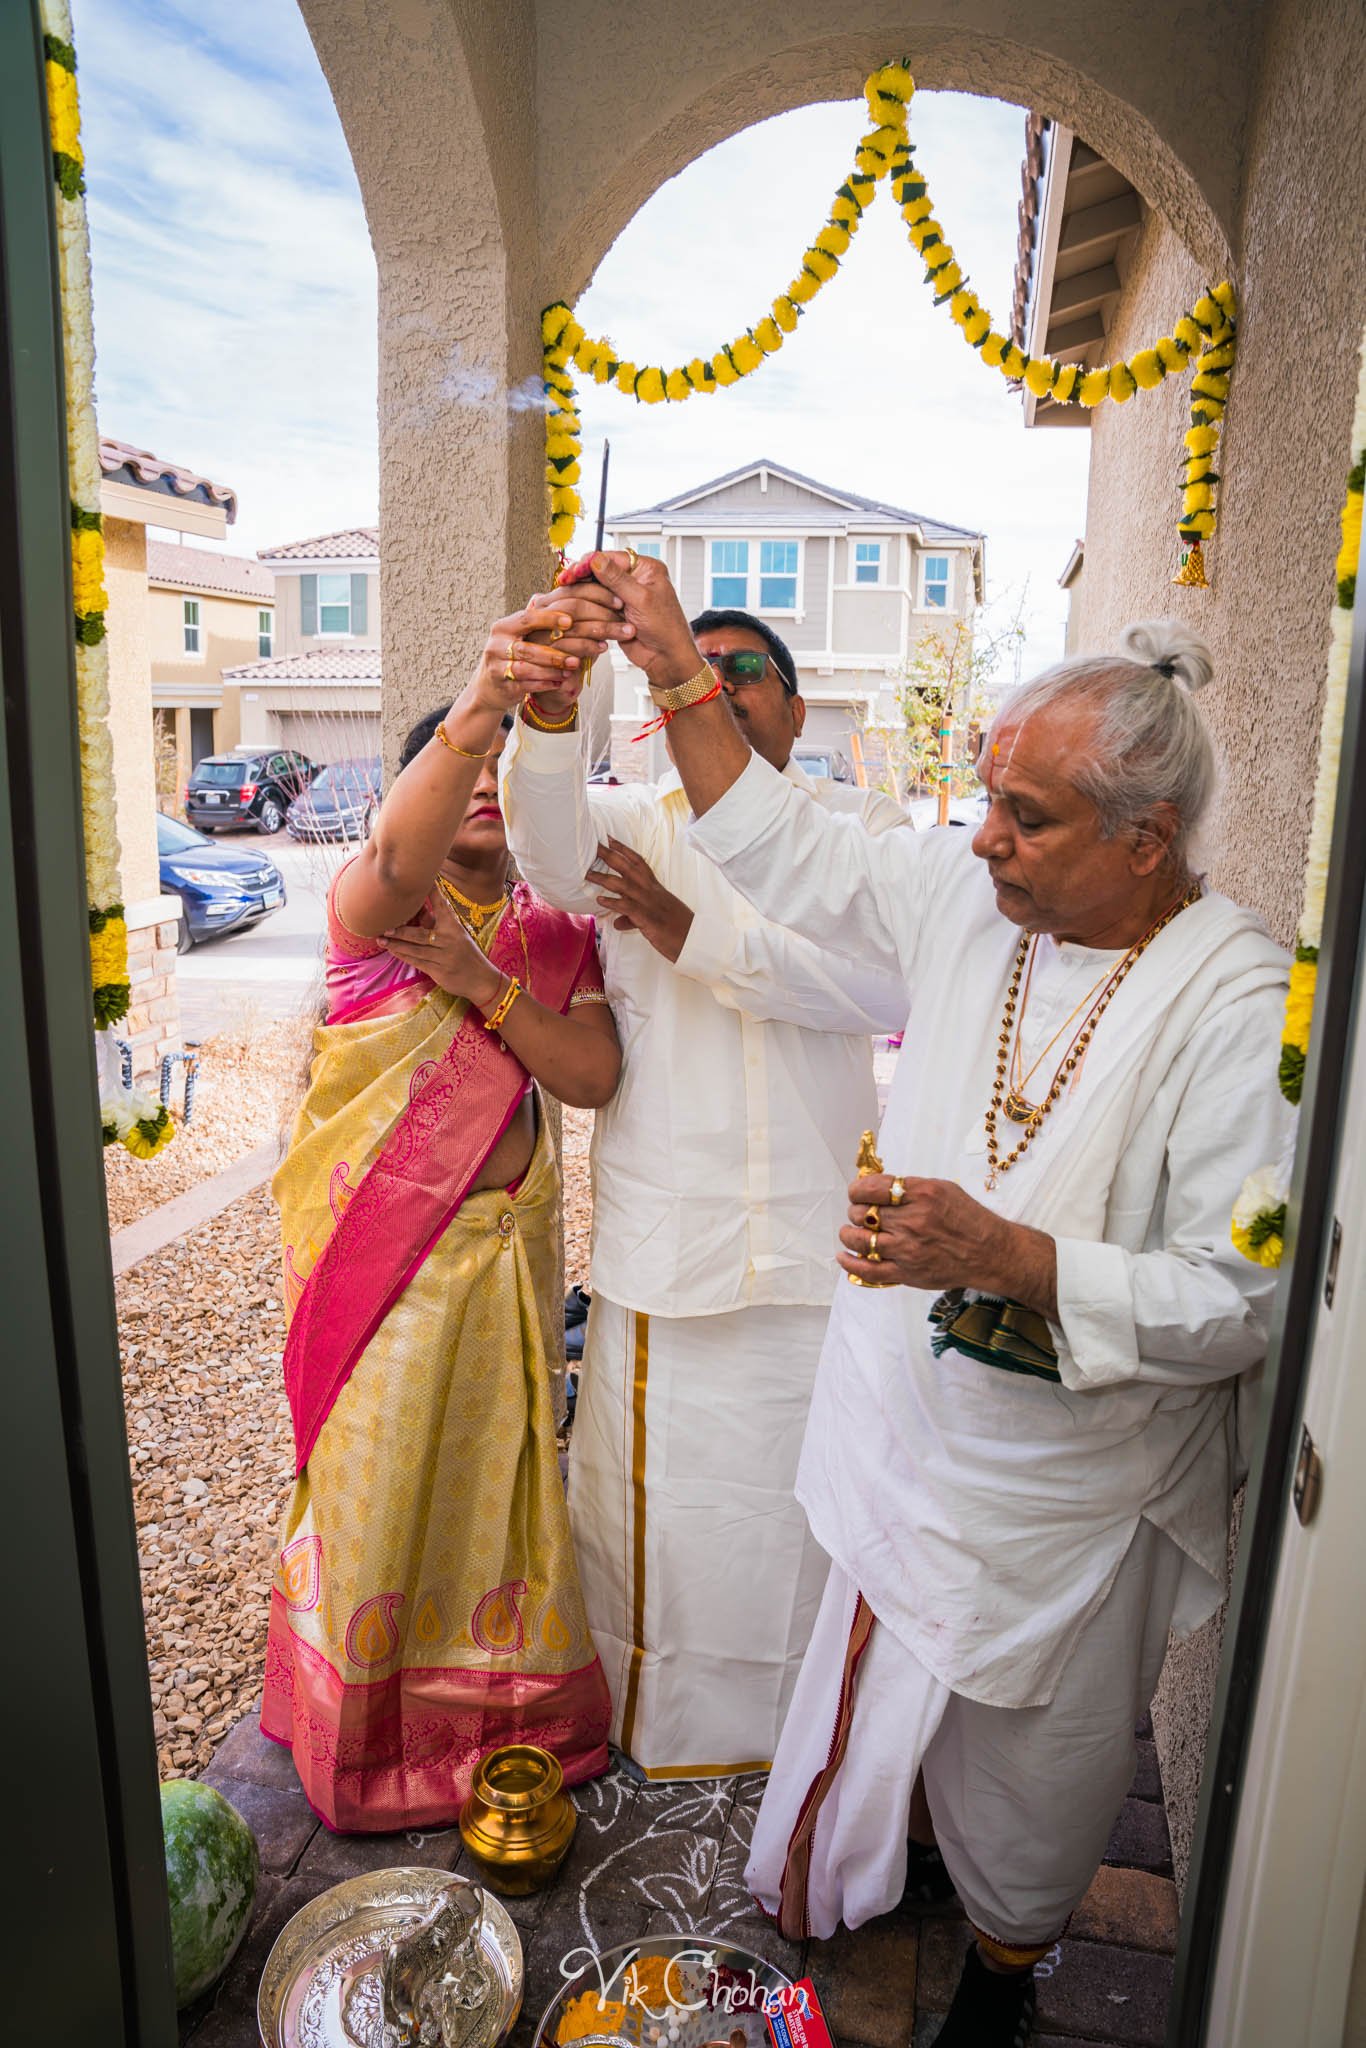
518	1821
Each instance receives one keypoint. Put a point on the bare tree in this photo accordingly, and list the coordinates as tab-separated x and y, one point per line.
947	692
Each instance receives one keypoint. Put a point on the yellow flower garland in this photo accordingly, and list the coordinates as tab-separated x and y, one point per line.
1263	1198
108	932
1204	336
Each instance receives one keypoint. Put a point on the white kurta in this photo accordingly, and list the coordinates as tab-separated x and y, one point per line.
719	1177
984	1514
720	1165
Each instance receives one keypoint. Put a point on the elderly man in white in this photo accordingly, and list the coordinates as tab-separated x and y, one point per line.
719	1175
1022	1441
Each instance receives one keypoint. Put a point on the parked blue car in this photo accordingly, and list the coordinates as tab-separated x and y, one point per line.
221	888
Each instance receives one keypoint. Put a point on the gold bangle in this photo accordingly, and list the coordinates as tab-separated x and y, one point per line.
463	752
505	1003
703	684
538	723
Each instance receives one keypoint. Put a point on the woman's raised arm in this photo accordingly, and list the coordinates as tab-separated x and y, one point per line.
392	875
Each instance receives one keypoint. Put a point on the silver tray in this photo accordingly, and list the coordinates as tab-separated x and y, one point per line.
299	2001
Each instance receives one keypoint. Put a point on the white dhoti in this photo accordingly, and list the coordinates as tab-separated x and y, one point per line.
1023	1798
700	1576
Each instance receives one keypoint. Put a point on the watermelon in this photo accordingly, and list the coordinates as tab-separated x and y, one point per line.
212	1864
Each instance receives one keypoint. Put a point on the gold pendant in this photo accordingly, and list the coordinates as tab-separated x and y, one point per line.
1019	1110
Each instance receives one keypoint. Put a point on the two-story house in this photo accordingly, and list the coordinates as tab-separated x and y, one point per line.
849	582
206	613
319	690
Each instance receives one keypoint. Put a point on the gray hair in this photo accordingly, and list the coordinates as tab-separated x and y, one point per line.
1151	743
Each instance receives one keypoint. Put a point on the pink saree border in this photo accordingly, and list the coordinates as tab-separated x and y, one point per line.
421	1176
400	1751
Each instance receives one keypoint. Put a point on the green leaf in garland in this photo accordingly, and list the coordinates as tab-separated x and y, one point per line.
69	175
1292	1072
111	1002
1266	1223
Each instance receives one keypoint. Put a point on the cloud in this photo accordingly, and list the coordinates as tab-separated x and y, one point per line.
234	281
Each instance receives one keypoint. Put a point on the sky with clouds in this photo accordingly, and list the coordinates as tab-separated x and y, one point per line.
235	302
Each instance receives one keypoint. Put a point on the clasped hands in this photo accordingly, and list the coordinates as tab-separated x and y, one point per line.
543	650
932	1234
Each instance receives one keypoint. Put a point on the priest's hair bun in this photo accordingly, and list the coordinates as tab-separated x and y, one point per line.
1171	648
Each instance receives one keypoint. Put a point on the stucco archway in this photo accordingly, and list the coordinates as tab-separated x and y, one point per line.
500	152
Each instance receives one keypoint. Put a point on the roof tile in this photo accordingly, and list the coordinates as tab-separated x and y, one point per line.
319	665
120	462
198	568
352	543
892	513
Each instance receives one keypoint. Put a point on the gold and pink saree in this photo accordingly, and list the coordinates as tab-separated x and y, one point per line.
426	1606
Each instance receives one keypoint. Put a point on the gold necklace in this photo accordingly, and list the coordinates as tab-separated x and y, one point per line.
1017	1105
474	916
1034	1115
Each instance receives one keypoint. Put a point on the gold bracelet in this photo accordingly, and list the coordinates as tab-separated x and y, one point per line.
539	723
505	1003
703	684
463	752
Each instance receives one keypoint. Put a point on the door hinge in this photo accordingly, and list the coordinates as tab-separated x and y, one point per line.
1330	1278
1308	1480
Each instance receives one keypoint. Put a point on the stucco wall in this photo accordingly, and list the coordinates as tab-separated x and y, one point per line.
130	704
227	636
1283	462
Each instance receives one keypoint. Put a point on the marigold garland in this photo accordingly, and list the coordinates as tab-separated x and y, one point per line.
131	1118
1271	1185
1203	337
108	933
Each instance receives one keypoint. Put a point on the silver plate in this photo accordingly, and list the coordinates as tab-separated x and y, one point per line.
299	2002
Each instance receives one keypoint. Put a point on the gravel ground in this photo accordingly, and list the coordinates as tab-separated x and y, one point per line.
247	1088
578	1199
203	1331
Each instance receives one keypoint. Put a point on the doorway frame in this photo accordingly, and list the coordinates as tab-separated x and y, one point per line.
90	1918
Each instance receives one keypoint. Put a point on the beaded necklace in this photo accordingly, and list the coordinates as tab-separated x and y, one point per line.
1032	1115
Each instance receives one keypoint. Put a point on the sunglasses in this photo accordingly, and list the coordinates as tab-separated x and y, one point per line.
744	665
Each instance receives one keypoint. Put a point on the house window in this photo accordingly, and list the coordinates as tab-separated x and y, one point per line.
265	634
191	626
778	576
867	561
334	604
936	582
652	548
730	574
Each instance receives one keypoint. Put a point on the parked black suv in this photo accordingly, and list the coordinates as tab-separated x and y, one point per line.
250	786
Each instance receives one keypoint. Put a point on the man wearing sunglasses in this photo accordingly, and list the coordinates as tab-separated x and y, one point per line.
719	1186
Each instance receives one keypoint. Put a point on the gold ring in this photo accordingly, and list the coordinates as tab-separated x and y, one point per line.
872	1252
632	557
431	936
898	1192
557	634
872	1220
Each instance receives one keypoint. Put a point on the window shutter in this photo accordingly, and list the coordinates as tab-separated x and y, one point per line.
358	584
308	605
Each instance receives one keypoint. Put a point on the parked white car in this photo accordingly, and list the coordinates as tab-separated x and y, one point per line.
963	810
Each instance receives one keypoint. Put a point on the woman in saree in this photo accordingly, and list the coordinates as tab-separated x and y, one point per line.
426	1607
